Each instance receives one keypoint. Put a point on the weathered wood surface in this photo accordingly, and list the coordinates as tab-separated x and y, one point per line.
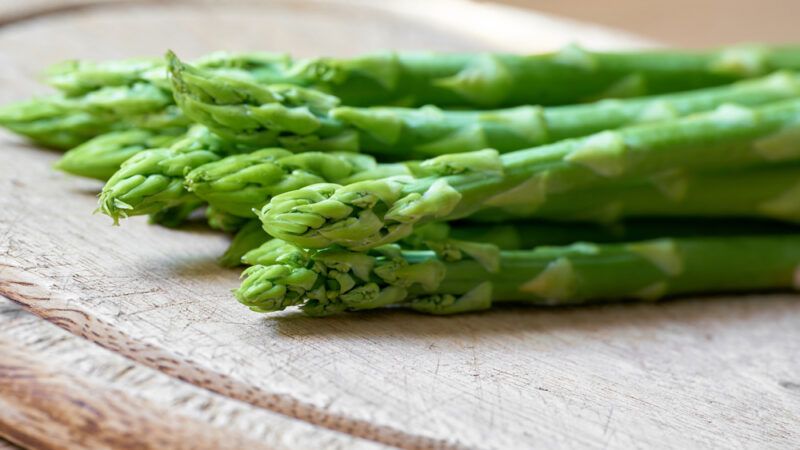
54	386
700	373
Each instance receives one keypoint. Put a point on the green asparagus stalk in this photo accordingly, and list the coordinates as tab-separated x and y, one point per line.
249	237
238	183
61	122
333	280
571	75
152	180
78	77
449	239
101	156
301	119
105	97
223	221
525	235
175	216
371	213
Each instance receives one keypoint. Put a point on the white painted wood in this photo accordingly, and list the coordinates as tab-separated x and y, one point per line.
704	373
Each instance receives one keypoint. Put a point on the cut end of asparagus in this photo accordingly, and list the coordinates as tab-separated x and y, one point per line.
358	216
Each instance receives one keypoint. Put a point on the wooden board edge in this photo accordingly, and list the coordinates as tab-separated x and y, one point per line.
31	293
44	406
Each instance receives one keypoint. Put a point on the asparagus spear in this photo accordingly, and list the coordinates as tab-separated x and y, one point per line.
299	119
223	221
449	239
152	180
249	237
175	216
333	280
238	183
570	75
105	97
78	77
370	213
101	156
62	122
525	235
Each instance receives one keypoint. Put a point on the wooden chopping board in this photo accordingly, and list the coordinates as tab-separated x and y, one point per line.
194	369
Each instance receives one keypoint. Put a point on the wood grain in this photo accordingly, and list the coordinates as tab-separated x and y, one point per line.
44	406
157	395
704	373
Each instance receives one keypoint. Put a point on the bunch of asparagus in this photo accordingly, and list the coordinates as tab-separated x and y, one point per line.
447	182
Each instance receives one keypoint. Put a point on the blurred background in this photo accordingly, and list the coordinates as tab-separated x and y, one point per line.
691	23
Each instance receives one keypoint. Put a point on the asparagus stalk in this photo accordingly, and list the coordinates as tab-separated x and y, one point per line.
175	216
115	96
62	122
454	239
152	180
301	119
525	235
333	280
571	75
101	156
375	212
223	221
238	183
249	237
78	77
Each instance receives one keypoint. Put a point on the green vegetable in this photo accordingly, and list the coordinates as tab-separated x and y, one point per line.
63	122
571	75
152	180
249	237
299	119
238	183
99	98
529	234
101	156
333	280
175	216
78	77
375	212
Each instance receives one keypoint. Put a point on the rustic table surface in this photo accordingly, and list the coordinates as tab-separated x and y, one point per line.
178	363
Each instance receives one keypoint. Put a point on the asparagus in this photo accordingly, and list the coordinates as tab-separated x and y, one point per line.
454	239
152	179
375	212
330	281
238	183
301	119
571	75
78	77
62	122
115	96
175	216
222	221
101	156
249	237
525	235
